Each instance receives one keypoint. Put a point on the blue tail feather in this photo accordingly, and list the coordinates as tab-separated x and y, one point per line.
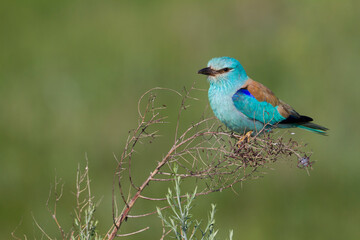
312	127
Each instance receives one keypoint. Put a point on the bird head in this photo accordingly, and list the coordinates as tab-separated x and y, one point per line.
224	69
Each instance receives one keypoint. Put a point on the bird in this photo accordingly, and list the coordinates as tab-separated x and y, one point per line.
246	106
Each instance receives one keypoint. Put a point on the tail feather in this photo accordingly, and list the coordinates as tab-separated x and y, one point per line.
312	127
304	122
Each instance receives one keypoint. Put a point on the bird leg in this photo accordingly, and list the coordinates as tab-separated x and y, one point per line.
245	137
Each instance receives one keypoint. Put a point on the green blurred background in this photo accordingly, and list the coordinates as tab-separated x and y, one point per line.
71	73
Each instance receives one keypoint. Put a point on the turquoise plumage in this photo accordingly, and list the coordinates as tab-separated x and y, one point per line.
252	108
245	105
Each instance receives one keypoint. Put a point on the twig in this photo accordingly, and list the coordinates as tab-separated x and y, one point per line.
46	235
133	233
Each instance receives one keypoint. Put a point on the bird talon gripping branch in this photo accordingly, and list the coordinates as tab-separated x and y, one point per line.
244	138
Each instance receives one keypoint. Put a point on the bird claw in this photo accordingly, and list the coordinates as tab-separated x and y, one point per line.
245	138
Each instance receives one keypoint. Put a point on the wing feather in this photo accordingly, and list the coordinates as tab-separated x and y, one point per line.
259	103
260	92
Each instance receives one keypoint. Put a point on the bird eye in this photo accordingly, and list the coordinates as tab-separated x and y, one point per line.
224	70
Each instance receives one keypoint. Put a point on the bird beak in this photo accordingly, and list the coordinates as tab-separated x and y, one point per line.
207	71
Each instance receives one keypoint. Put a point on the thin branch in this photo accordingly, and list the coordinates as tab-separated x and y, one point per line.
165	234
133	233
40	228
13	232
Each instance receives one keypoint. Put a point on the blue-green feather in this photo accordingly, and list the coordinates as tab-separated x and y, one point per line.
263	112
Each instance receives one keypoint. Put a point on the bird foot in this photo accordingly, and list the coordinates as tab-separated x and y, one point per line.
245	138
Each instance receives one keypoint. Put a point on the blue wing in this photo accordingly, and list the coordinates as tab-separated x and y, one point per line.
263	111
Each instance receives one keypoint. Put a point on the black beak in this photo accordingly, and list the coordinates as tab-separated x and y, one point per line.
207	71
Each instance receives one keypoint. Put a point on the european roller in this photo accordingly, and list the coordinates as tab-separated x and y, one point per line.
246	106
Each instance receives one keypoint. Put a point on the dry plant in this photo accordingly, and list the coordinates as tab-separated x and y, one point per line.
181	222
84	226
204	151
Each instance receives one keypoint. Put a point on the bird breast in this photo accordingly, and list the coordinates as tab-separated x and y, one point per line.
224	109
